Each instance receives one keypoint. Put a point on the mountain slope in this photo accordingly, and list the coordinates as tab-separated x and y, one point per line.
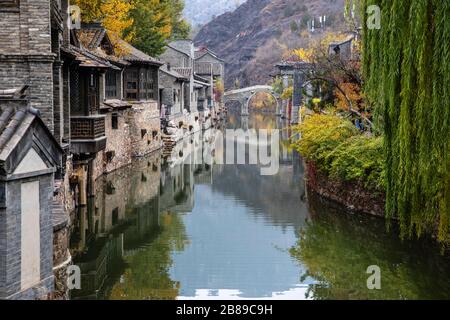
252	38
199	12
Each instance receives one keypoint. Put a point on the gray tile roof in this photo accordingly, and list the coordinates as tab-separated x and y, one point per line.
134	55
202	51
90	38
14	123
186	72
89	59
172	72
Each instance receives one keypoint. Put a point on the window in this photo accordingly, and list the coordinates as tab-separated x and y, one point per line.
115	121
131	84
139	84
147	84
115	216
89	92
111	85
9	4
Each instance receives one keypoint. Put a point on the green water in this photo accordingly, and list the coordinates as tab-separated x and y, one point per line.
160	229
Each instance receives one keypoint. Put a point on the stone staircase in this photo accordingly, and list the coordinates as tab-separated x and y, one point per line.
169	144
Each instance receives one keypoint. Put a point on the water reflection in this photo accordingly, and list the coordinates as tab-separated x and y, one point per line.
165	229
337	249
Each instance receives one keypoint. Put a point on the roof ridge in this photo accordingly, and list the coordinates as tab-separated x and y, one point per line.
11	126
5	117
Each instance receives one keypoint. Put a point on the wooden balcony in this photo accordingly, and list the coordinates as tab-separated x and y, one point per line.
87	134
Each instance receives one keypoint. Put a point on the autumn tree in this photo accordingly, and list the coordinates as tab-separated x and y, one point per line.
339	79
113	14
180	27
147	24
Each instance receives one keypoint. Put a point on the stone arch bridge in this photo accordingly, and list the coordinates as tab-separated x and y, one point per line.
244	96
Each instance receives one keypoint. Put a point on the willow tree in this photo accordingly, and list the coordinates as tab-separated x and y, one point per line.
407	69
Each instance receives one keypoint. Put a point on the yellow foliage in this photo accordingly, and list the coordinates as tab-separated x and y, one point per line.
287	93
353	93
113	14
306	55
318	47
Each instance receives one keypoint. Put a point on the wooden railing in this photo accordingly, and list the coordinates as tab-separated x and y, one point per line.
87	127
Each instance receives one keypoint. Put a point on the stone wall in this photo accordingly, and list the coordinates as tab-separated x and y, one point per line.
352	195
61	261
118	144
145	128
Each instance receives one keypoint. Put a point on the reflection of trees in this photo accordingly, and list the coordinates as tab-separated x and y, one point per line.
337	249
147	275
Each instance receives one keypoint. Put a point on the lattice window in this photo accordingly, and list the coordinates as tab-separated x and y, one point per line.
75	91
131	84
93	93
150	85
111	85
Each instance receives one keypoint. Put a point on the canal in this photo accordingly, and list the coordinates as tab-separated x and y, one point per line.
164	229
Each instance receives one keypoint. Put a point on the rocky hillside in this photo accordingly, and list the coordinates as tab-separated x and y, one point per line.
199	12
254	36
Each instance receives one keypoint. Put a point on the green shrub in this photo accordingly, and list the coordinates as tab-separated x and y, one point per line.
360	158
338	149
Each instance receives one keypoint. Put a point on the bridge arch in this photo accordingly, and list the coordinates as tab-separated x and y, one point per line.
244	96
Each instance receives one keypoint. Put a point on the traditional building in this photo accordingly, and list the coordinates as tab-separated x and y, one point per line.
209	66
205	57
180	55
173	116
343	50
203	94
30	157
100	107
31	36
129	99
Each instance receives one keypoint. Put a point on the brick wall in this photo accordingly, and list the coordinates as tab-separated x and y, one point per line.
10	264
26	54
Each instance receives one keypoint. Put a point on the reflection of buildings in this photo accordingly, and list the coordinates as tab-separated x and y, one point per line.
189	164
121	216
279	207
177	189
